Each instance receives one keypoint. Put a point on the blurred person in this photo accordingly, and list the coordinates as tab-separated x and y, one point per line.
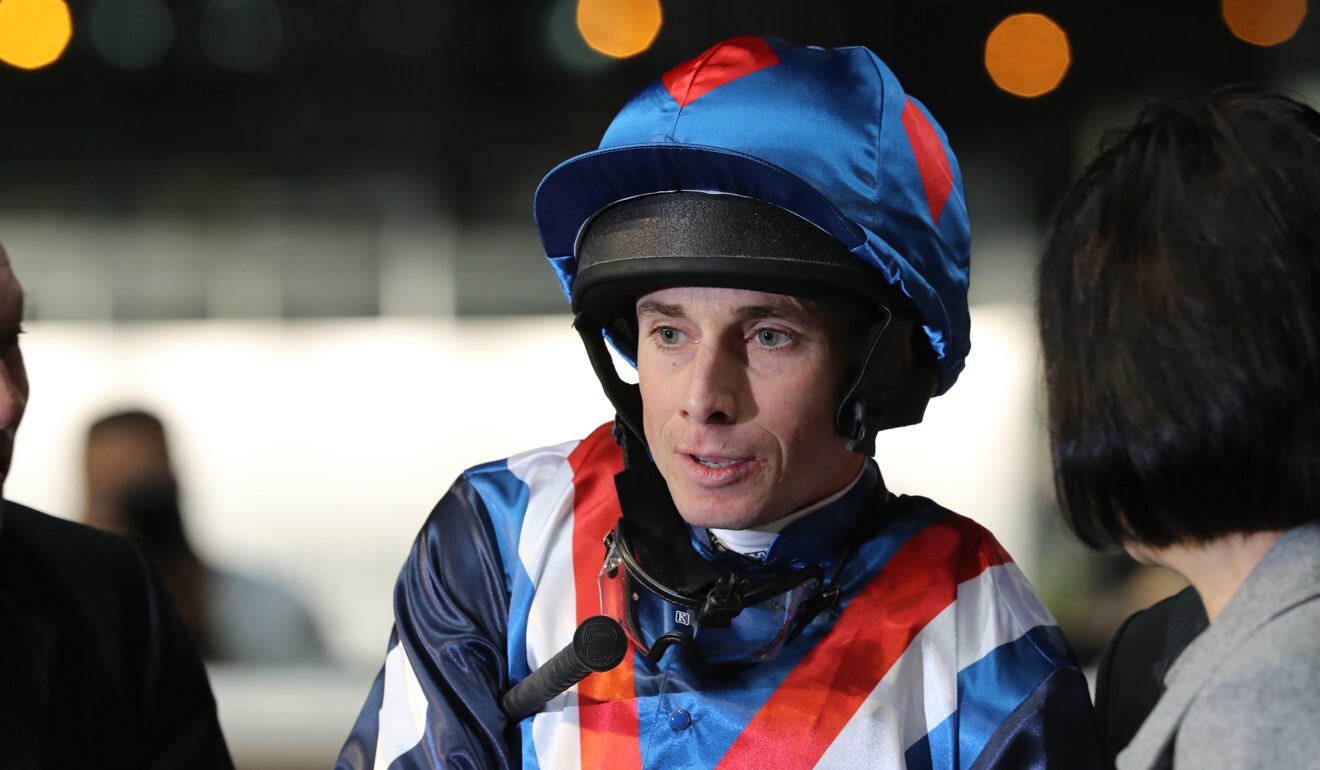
132	489
777	237
1178	298
96	669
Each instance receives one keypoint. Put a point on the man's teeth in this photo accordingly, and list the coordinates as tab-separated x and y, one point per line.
713	463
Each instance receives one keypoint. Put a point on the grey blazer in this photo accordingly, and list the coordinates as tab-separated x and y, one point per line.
1246	692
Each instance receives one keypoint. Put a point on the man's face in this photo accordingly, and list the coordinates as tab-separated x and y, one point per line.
739	390
13	376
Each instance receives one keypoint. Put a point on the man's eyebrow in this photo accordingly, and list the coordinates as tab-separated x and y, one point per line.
750	312
666	309
766	311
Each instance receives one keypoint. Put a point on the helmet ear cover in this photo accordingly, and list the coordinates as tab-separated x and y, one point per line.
673	239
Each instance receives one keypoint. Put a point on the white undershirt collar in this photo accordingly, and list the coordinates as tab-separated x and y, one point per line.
756	542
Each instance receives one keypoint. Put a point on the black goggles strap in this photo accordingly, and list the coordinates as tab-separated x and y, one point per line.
657	537
654	538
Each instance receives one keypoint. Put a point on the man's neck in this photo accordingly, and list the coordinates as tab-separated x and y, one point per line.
757	540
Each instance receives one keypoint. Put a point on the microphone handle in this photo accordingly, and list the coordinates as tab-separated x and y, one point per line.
599	644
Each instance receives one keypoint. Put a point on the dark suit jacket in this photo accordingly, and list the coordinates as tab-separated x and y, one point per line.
1130	679
96	669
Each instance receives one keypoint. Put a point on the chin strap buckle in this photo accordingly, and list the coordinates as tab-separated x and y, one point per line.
723	603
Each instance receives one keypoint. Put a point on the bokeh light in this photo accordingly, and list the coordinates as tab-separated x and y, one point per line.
1027	54
241	35
33	33
1263	22
564	42
131	34
619	28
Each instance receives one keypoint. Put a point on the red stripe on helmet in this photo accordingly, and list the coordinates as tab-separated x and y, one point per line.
932	159
719	65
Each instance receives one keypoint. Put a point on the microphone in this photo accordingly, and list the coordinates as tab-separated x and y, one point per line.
599	644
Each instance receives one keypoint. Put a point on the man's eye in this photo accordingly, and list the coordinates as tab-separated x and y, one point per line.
668	335
772	338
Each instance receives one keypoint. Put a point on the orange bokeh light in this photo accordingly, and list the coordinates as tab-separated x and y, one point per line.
1263	22
1027	54
33	33
619	28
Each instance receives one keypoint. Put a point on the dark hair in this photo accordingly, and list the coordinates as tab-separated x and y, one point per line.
1177	303
128	418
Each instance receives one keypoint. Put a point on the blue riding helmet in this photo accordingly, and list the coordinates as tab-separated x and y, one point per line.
827	135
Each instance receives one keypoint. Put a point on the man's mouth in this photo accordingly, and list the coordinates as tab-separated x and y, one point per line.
713	462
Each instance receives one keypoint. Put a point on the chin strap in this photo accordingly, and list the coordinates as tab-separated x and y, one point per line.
885	394
658	533
625	397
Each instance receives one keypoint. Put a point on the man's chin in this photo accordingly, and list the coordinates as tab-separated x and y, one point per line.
731	513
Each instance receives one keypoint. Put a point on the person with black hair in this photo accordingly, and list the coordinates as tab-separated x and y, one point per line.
1179	312
777	238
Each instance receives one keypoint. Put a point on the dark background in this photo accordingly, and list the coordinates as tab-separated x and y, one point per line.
472	99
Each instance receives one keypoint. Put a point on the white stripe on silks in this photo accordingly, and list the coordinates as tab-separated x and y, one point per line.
402	716
549	480
885	725
996	608
545	548
992	609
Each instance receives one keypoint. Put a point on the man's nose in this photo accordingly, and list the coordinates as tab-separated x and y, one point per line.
718	374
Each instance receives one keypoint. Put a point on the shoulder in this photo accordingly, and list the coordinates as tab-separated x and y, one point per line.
490	504
48	532
1249	711
1150	640
946	552
949	549
1283	650
505	488
81	577
597	448
955	537
66	552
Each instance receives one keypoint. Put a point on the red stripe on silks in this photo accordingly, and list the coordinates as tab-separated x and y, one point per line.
822	693
719	65
932	160
607	702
